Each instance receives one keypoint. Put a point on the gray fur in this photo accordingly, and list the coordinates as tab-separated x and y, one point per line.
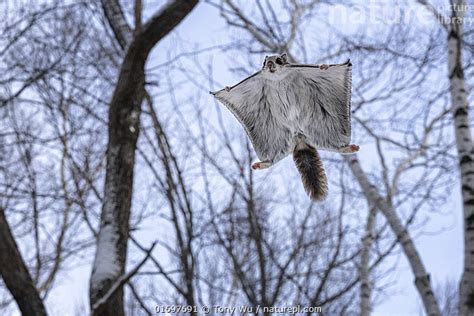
293	101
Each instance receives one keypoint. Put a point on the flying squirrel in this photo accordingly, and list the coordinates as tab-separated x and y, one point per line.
295	108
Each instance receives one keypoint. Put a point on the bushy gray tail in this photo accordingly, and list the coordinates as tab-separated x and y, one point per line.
311	169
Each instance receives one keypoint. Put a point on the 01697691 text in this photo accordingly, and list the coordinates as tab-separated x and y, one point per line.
221	309
172	309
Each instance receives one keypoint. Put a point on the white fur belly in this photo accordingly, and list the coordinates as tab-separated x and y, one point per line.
285	105
293	117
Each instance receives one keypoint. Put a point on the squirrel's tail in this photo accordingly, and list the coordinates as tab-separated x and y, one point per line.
311	169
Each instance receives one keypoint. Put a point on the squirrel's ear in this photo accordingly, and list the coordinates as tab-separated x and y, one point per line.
284	56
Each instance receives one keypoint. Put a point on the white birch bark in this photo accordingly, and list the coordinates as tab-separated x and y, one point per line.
365	286
464	146
460	111
422	278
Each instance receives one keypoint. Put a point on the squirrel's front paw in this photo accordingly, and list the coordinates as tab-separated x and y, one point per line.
323	67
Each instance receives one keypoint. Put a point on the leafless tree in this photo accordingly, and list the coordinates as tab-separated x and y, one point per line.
452	25
123	128
45	158
16	275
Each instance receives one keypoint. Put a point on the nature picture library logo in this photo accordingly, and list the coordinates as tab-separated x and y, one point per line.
374	12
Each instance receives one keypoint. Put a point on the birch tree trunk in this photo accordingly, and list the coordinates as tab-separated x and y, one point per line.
365	286
460	111
422	278
123	129
15	274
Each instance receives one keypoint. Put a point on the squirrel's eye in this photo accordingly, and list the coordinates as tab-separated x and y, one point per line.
278	61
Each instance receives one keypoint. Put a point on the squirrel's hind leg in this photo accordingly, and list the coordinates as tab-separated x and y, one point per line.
273	158
262	165
267	163
349	149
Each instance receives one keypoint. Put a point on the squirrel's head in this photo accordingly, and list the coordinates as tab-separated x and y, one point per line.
274	63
